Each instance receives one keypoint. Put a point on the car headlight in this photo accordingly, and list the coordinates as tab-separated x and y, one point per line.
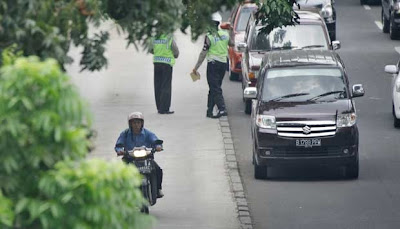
396	6
139	153
346	120
266	121
327	11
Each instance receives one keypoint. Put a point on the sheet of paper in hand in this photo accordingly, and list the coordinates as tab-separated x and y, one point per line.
195	76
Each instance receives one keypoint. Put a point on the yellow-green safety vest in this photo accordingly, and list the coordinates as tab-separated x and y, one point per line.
219	46
162	47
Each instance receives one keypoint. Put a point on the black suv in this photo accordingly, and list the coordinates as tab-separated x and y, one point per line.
289	37
304	112
326	8
390	15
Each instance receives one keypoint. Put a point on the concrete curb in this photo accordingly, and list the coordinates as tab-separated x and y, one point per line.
235	179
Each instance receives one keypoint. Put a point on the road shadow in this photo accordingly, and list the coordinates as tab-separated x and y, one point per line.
302	173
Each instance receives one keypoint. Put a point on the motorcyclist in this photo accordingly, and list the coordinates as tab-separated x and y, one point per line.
136	136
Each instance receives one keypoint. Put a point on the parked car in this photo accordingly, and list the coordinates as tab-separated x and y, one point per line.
304	112
390	15
289	37
238	21
326	8
394	70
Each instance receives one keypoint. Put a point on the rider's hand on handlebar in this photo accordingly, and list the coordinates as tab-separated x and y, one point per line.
158	148
120	153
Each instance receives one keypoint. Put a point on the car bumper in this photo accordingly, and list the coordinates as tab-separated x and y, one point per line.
396	103
273	150
235	60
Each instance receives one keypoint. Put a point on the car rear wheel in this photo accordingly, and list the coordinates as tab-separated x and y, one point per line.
396	122
233	76
385	23
352	170
394	34
247	108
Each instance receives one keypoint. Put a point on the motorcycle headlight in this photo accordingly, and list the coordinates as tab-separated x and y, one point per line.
266	121
346	120
327	11
139	153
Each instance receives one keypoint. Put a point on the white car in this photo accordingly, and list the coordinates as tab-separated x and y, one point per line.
394	70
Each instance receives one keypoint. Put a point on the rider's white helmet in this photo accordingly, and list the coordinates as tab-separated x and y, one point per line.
216	17
135	115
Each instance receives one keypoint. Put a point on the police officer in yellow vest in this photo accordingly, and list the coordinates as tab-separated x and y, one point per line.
215	49
165	51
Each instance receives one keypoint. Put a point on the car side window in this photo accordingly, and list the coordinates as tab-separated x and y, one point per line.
260	81
233	15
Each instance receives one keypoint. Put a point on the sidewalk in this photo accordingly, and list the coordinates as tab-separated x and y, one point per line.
196	183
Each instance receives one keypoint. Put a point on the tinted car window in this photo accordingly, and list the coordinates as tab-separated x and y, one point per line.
304	84
290	37
243	18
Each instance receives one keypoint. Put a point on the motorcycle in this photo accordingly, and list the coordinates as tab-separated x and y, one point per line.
143	159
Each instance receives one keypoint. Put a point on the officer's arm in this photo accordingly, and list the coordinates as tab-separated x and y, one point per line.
231	42
175	49
203	53
151	46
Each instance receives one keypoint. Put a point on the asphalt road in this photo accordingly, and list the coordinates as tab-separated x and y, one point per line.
321	197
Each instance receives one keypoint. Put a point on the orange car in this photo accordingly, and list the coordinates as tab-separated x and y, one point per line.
238	20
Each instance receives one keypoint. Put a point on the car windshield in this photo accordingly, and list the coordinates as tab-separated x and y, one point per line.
244	16
304	84
290	37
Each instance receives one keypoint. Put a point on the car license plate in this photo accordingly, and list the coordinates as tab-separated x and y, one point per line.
308	142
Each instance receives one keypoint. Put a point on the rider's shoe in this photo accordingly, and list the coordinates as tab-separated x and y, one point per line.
160	194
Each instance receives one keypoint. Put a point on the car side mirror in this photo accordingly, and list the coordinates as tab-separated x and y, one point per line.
358	90
391	69
241	47
225	25
250	93
336	45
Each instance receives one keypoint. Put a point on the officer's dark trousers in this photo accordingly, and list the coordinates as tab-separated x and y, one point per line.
215	75
162	86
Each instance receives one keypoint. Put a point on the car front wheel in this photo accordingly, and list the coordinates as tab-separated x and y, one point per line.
352	170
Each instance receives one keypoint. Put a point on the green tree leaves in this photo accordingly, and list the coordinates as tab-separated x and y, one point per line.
47	28
46	182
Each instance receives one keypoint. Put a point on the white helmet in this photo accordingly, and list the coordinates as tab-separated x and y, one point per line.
135	115
216	17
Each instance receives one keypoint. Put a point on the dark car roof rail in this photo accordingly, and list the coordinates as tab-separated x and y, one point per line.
291	58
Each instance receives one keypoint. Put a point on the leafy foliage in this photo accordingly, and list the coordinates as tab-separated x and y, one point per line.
89	194
6	213
45	136
41	116
48	28
274	13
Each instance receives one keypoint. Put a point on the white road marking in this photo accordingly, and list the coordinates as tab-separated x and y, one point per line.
367	7
379	24
397	49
